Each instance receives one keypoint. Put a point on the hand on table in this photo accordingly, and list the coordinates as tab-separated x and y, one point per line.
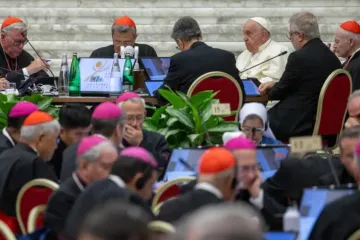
265	87
3	84
36	66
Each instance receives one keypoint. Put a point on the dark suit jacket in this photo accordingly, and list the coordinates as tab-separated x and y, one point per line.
338	219
94	195
68	164
354	69
186	67
108	51
61	203
4	143
57	159
175	209
298	90
296	174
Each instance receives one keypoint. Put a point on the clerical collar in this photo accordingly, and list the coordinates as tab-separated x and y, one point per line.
118	181
209	188
79	183
352	55
262	47
7	135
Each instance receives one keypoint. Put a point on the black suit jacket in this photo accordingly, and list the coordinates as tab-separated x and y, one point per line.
4	143
175	209
57	159
339	219
186	67
68	164
61	203
108	51
354	69
298	90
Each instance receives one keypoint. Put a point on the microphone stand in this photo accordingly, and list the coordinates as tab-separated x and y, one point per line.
283	53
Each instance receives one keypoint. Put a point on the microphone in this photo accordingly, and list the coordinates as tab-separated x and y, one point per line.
280	54
36	52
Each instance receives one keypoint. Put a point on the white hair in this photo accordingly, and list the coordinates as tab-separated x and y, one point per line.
123	28
20	26
133	100
355	94
306	23
93	154
31	133
349	35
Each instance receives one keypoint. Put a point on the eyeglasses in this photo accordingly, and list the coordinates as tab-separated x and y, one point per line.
135	118
252	129
17	42
290	34
250	168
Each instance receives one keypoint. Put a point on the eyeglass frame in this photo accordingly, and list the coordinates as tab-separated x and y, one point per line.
17	43
246	169
290	34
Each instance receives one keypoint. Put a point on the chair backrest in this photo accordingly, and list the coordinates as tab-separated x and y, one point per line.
34	193
36	218
5	232
332	103
355	235
162	227
11	223
229	90
170	189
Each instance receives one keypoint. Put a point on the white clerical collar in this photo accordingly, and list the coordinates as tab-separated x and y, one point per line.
7	135
118	181
262	47
209	188
77	182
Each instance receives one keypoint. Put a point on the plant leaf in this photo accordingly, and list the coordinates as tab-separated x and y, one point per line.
12	98
172	132
182	116
35	98
44	104
224	127
198	99
173	99
207	112
171	121
6	107
195	112
147	125
3	97
157	114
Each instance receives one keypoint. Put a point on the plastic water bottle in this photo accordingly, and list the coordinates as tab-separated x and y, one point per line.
63	80
116	80
291	220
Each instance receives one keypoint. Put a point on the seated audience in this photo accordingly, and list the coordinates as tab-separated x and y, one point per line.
254	123
132	178
75	120
259	48
107	122
353	107
195	59
341	218
10	135
27	160
215	184
124	33
347	45
299	87
220	222
114	221
133	107
95	157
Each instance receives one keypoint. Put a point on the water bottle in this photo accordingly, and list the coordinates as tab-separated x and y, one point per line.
128	77
116	80
74	77
291	219
63	80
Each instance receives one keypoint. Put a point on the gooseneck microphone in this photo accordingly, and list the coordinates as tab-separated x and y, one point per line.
280	54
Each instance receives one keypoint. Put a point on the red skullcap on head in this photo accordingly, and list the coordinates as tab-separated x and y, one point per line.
216	160
126	21
351	26
37	117
9	21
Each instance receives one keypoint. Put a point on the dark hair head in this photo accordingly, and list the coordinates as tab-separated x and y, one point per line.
106	127
352	132
15	122
74	115
116	220
186	29
127	167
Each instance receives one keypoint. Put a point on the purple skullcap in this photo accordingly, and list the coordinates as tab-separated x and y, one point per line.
239	143
140	153
106	110
126	96
23	109
88	143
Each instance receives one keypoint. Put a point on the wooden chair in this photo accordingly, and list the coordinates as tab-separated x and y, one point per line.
5	232
229	90
170	189
332	106
355	235
34	193
35	221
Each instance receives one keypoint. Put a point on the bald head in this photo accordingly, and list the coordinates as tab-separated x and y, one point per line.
255	35
346	43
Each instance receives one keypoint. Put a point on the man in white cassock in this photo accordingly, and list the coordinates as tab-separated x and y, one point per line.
261	47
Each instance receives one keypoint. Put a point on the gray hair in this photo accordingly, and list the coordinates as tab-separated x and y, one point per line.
31	133
355	94
351	35
186	29
133	100
352	132
20	26
306	23
221	222
93	154
123	29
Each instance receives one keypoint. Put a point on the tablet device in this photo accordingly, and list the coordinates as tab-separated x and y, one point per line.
152	86
156	68
280	236
95	75
269	156
250	88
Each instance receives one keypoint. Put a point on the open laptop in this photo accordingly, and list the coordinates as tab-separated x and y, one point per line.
95	76
156	68
251	88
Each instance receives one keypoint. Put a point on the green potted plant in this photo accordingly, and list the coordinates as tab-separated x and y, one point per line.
189	122
8	101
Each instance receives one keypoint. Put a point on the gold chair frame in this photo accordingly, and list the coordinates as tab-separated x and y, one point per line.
321	100
39	182
166	185
161	226
6	231
218	74
34	214
355	235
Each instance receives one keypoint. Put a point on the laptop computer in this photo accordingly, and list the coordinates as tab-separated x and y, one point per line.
156	68
250	88
95	76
